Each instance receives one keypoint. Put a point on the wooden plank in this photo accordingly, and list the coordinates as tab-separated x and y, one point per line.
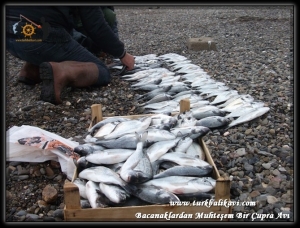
188	213
96	114
71	196
184	105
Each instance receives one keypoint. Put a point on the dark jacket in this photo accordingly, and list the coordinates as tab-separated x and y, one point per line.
62	17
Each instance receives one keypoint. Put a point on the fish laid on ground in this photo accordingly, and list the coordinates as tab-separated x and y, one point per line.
189	130
213	122
205	111
249	116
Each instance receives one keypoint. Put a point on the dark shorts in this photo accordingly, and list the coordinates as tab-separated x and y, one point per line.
57	47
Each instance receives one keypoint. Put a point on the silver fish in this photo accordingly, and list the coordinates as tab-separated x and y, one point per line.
249	116
126	172
183	159
114	193
142	172
105	130
109	156
103	122
213	122
93	196
102	174
158	98
189	130
130	126
162	118
148	87
155	135
205	111
80	183
185	171
87	148
195	150
155	92
127	141
155	195
183	184
160	105
183	144
156	150
155	81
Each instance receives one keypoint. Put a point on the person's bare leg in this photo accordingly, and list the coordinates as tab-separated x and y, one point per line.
55	76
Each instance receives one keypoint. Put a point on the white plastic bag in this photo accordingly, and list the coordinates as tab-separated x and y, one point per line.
38	152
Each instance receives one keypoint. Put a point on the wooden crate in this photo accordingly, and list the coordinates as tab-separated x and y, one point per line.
167	213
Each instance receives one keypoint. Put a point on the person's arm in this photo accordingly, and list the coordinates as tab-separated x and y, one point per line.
100	32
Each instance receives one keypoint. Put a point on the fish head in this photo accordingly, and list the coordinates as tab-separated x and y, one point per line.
137	177
203	184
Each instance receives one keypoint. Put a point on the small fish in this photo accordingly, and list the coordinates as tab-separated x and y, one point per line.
114	193
81	184
128	127
97	126
127	172
249	116
109	156
93	196
87	148
157	149
213	122
205	111
154	195
185	171
183	184
127	141
183	159
195	150
102	174
106	129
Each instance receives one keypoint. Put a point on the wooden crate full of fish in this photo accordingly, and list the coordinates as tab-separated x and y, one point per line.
148	176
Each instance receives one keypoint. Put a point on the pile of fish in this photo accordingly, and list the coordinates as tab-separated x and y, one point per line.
167	79
153	159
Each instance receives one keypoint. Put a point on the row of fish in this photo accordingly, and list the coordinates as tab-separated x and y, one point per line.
153	159
164	87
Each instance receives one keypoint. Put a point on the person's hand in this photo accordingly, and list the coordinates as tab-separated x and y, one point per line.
128	61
